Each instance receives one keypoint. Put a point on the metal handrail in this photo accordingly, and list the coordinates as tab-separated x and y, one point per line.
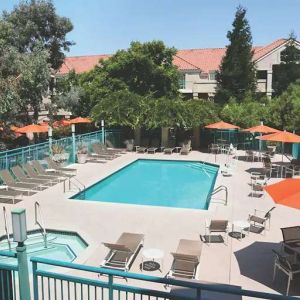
6	228
83	187
220	189
37	210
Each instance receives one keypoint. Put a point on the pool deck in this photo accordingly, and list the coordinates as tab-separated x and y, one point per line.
247	263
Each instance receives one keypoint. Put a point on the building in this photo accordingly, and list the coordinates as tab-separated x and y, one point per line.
198	67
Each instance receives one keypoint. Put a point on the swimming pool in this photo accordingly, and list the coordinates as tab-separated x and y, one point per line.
169	183
61	245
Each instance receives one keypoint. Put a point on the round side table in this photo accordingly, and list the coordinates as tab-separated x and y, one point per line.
152	254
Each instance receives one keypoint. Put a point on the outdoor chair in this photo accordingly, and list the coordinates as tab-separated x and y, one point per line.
56	166
186	148
216	226
98	152
287	266
186	259
214	148
260	219
250	155
123	252
11	194
129	144
143	147
55	173
9	180
154	146
171	148
29	169
22	177
269	168
291	239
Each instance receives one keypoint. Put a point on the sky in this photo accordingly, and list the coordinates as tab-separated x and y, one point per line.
102	27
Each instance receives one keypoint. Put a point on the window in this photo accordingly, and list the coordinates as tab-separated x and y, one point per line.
203	75
182	81
212	75
261	74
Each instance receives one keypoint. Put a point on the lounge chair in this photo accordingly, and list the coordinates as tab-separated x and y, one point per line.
11	194
291	239
129	144
8	179
22	177
186	259
287	265
123	252
41	171
186	148
100	153
54	165
261	218
171	148
29	169
216	226
154	146
227	169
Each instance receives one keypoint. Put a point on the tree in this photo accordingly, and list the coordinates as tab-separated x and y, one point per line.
245	114
236	77
36	21
121	108
285	109
144	69
288	71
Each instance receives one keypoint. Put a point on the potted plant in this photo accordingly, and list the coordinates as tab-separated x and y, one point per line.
59	154
82	154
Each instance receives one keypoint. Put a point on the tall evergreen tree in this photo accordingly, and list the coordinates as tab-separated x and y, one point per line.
236	77
288	71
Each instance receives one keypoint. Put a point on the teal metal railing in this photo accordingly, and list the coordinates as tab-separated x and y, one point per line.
56	285
8	277
39	151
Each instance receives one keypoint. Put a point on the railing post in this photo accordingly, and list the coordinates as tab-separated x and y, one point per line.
110	287
103	131
73	144
24	286
198	294
35	281
50	139
6	161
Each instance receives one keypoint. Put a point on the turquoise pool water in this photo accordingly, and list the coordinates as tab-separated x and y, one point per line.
60	246
183	184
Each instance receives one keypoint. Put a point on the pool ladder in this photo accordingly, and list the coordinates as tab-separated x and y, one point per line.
218	190
79	185
6	228
38	215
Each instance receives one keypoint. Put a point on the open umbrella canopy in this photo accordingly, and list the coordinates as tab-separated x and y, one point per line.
33	128
281	136
80	120
62	123
285	192
262	129
221	125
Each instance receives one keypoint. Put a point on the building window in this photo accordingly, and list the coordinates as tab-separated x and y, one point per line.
212	75
203	75
182	81
261	74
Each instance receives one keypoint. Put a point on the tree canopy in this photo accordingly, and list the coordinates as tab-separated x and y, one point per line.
288	71
236	77
36	21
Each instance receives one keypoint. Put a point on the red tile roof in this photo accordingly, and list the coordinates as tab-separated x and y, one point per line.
191	59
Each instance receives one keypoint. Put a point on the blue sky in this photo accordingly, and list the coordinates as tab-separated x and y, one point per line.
105	26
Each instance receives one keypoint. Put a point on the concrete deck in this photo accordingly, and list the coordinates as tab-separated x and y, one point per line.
247	263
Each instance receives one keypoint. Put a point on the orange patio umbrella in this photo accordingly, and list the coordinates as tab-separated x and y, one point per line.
262	129
61	123
281	136
285	192
221	125
80	120
33	128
